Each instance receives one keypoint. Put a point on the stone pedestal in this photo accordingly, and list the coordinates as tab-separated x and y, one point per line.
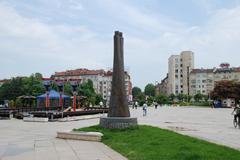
117	122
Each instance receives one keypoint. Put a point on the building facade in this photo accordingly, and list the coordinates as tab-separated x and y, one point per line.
179	68
162	88
203	80
102	80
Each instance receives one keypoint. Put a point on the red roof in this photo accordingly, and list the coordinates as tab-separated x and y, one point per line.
78	72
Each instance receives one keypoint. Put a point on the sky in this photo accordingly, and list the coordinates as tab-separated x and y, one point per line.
47	36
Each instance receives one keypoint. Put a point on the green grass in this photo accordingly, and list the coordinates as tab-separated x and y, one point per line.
151	143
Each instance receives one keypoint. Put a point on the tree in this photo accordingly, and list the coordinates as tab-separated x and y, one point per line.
172	97
161	99
99	98
86	89
226	89
180	97
149	90
141	98
136	91
67	88
19	86
198	97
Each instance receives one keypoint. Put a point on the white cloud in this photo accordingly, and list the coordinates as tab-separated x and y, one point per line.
30	45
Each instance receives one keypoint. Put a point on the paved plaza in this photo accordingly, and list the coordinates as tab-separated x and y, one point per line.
34	140
215	125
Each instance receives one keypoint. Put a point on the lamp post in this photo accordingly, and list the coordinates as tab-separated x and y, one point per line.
47	84
74	84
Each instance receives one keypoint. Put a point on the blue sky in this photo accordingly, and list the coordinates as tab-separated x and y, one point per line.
55	35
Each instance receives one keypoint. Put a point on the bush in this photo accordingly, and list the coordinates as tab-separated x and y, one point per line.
185	104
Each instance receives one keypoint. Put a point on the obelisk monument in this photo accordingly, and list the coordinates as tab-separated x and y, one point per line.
118	114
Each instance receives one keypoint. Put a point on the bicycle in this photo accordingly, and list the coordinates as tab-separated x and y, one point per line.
236	119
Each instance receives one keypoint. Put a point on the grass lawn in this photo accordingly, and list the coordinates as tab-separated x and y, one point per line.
152	143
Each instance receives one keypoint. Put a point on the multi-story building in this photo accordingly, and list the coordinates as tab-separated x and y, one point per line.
102	80
162	88
203	80
179	68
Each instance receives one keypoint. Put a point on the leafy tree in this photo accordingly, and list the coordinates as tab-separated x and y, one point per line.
67	88
226	89
86	89
19	86
141	98
99	98
136	91
149	90
161	99
180	97
150	100
198	97
172	97
12	89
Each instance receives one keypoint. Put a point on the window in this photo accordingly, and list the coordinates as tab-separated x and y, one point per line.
203	81
181	75
181	86
176	76
176	70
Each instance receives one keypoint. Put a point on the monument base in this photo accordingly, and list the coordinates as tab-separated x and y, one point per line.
117	122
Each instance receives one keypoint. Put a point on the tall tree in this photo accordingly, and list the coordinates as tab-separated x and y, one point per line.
136	91
149	90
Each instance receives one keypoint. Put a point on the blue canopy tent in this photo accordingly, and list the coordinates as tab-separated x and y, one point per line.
54	98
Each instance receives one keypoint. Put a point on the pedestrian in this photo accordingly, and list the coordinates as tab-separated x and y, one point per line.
155	104
213	104
136	105
145	109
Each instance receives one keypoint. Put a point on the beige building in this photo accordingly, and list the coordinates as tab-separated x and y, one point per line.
179	68
203	80
162	88
101	79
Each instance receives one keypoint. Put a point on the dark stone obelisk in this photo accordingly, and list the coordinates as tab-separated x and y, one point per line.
118	114
118	100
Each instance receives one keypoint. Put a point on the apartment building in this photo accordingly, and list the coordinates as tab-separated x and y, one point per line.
179	68
102	80
203	80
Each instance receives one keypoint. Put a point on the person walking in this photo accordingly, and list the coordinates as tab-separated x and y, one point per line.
136	105
145	109
155	104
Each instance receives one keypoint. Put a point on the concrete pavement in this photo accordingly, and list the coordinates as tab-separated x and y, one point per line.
33	140
36	141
